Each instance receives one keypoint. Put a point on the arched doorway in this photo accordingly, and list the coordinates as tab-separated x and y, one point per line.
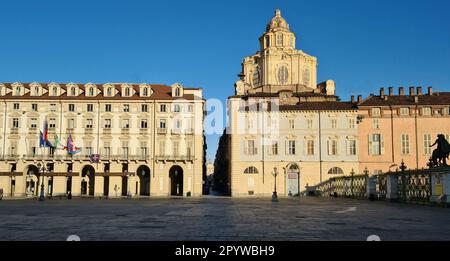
292	180
176	181
143	172
32	180
88	187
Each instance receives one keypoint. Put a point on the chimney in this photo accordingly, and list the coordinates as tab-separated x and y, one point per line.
430	90
391	91
359	98
382	93
352	98
412	91
401	91
419	90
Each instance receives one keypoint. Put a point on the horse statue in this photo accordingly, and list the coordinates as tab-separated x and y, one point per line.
441	154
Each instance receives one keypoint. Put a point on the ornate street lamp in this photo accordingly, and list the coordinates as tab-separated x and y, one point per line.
274	195
351	182
42	170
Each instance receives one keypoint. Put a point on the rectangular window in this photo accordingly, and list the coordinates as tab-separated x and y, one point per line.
376	124
426	111
108	107
310	147
16	106
53	107
352	147
125	124
144	150
72	107
162	108
34	107
189	149
107	149
190	108
107	123
15	123
274	148
333	123
125	149
176	108
250	148
178	124
351	123
405	144
291	124
144	108
332	147
162	124
309	123
71	123
90	107
33	123
89	123
126	108
376	144
404	111
52	123
144	124
426	144
376	112
291	147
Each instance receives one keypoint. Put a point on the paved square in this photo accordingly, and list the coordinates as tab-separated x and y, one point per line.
221	219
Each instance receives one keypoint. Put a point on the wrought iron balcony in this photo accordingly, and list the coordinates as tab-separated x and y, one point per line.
174	158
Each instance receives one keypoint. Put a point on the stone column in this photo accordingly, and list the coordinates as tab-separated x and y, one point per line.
392	187
440	187
371	188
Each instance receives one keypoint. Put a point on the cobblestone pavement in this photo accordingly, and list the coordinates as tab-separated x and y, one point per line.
221	219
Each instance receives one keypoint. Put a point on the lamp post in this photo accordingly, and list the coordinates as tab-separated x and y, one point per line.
42	170
351	182
274	195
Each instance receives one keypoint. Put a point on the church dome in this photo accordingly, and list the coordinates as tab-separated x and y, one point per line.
277	23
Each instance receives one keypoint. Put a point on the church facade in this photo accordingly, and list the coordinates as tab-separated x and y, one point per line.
285	130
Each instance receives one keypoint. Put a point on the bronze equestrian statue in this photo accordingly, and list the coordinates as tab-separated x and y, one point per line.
441	154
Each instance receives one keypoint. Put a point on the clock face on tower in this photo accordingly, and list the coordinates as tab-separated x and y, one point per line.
282	75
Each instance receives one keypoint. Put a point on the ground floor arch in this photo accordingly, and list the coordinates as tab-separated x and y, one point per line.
176	181
143	182
32	180
292	179
88	180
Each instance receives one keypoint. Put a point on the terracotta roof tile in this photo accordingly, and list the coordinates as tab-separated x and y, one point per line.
439	98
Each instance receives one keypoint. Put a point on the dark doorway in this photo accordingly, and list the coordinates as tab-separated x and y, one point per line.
13	187
106	186
176	181
50	186
124	186
143	172
89	171
69	185
32	186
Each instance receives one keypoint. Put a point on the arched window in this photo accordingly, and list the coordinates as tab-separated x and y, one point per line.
54	91
17	90
267	41
127	91
251	170
36	90
177	92
335	171
256	78
279	40
145	91
72	91
306	77
283	75
91	91
109	91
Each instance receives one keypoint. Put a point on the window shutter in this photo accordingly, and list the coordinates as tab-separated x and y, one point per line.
370	144
382	144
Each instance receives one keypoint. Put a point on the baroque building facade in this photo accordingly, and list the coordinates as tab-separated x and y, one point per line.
285	130
135	139
401	126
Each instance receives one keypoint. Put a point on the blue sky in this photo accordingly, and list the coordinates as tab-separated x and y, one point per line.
362	45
